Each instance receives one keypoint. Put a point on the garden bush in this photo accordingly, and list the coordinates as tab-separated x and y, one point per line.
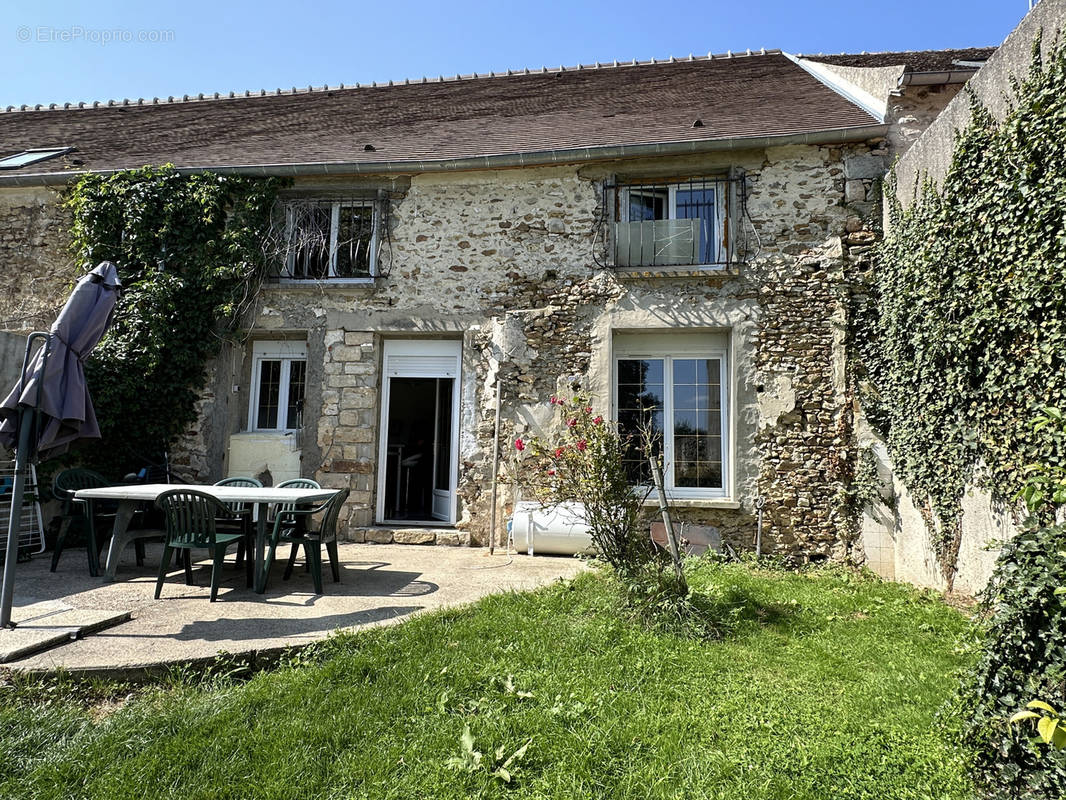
1023	653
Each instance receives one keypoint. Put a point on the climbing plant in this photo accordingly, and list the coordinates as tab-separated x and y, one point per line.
1021	661
189	250
962	333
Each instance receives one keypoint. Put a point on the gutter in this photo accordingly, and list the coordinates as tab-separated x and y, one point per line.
936	78
536	158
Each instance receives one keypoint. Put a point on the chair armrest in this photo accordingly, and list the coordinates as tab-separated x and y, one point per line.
305	511
296	513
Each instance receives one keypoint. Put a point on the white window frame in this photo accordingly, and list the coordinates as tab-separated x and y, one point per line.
630	345
286	352
721	188
334	228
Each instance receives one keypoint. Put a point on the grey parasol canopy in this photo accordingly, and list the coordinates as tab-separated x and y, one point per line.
54	382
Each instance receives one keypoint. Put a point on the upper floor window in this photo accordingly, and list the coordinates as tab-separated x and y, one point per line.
672	223
279	377
331	239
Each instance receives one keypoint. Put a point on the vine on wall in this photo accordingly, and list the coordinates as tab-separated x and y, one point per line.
189	250
962	335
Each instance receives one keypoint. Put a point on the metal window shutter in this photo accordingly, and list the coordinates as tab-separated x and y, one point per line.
421	366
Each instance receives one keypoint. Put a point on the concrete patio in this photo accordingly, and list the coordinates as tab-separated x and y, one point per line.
380	584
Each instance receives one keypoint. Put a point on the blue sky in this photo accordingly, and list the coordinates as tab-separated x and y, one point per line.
54	52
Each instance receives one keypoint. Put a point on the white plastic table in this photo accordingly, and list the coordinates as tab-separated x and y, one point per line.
129	496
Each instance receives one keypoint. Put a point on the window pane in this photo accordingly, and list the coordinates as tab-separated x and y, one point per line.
689	423
269	387
309	237
443	469
699	203
297	378
699	371
710	474
686	475
690	398
697	423
354	236
710	448
648	204
640	408
640	371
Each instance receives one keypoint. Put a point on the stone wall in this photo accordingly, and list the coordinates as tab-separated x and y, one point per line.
505	262
913	110
508	257
38	272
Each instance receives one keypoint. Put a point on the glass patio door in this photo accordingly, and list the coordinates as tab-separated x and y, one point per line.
418	463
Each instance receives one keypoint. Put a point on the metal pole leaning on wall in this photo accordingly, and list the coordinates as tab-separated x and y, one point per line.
23	459
495	467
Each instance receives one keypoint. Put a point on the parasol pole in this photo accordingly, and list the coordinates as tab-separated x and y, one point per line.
23	459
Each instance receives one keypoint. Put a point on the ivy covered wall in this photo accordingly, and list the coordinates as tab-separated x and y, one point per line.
961	335
191	256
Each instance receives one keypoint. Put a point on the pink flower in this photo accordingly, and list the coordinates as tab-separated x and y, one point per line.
581	444
554	400
559	451
519	445
570	423
551	472
597	421
588	409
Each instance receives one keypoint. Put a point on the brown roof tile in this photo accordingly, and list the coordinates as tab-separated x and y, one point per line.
913	60
743	96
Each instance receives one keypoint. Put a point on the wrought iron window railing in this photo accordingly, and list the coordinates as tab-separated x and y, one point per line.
691	222
334	238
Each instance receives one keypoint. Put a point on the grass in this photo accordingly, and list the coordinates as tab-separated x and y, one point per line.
827	686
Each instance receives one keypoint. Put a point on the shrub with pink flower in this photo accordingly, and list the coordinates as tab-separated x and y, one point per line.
585	463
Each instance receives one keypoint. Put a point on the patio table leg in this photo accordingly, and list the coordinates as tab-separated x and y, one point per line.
260	547
125	513
94	557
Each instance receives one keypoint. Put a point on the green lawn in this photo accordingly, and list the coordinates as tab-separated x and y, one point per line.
828	687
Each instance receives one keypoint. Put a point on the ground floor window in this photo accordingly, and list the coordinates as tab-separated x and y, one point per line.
675	386
279	376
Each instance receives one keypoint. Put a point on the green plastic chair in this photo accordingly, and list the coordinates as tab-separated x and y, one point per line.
190	517
64	485
228	524
286	529
300	521
292	483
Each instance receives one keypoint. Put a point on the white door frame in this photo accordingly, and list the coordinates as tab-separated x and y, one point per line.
419	358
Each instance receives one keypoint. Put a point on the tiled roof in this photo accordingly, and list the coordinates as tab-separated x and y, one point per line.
913	60
753	95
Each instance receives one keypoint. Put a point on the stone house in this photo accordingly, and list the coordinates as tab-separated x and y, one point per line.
676	235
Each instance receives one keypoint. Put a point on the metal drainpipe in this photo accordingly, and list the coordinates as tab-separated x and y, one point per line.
760	501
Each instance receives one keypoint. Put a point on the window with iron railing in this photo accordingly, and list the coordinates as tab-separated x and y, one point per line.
331	239
673	223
